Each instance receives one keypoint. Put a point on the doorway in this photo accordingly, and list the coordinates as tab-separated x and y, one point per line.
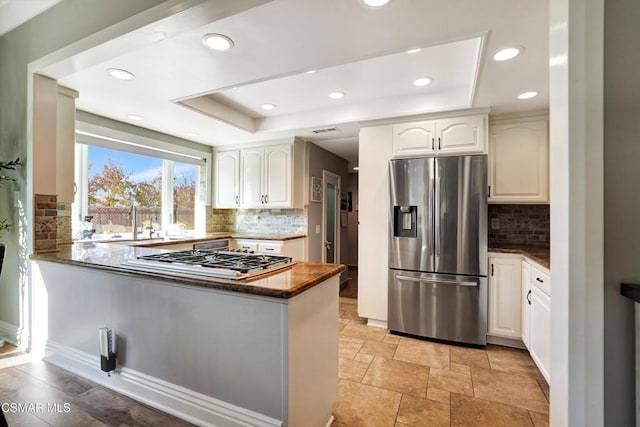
330	217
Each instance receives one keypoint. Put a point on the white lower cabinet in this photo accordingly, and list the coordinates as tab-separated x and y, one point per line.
504	297
520	305
526	302
294	248
540	317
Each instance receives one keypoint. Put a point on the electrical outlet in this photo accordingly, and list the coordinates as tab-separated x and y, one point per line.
318	229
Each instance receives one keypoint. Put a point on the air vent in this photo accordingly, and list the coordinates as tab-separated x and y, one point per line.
316	131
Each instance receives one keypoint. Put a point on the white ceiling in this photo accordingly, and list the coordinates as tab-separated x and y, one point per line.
13	13
356	49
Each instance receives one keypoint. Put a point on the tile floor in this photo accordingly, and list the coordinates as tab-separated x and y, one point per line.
388	380
385	380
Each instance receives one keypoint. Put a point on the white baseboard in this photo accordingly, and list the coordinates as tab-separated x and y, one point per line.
12	333
507	342
377	323
173	399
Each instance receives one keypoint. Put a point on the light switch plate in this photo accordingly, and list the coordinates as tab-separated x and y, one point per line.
318	229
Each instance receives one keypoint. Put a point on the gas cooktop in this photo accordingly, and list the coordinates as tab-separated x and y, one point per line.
227	264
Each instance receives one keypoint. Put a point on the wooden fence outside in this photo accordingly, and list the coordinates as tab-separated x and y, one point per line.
120	215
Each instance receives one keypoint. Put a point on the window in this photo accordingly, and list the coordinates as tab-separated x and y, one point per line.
112	176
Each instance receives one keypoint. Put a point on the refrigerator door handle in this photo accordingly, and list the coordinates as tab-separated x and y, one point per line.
434	281
436	213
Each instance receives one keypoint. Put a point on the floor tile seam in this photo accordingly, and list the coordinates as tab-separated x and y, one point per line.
71	398
388	389
419	365
37	417
501	403
516	374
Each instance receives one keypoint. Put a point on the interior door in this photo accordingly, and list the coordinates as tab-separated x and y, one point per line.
331	219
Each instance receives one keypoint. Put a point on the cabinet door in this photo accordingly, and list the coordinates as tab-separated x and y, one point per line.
414	139
461	135
540	338
504	297
251	176
273	248
519	163
526	302
277	183
227	183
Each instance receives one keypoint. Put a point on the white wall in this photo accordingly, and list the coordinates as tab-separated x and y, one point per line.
576	168
373	196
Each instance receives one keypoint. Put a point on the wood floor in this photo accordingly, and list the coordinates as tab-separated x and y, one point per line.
385	380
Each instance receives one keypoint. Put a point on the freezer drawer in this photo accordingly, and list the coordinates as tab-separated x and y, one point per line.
446	307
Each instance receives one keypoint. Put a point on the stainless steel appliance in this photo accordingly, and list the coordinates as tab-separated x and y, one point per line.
225	264
438	248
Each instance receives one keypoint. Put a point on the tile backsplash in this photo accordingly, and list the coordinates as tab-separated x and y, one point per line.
259	221
45	222
519	224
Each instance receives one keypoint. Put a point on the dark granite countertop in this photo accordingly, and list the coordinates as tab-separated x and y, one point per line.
285	283
537	253
149	243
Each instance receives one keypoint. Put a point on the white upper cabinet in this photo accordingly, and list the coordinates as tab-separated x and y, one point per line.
414	139
451	136
519	162
252	177
266	176
227	179
505	291
462	135
277	176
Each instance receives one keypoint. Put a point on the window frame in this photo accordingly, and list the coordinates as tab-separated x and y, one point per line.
117	139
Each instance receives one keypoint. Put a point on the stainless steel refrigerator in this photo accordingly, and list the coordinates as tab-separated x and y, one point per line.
438	248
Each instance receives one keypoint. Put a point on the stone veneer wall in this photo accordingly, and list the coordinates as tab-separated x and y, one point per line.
45	223
258	221
64	223
519	224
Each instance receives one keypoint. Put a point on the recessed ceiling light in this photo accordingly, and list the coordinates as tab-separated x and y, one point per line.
375	3
311	71
135	117
119	74
528	95
422	81
414	50
336	95
268	106
193	134
217	41
507	53
356	168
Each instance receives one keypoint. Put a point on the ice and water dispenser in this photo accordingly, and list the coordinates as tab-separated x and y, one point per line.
405	221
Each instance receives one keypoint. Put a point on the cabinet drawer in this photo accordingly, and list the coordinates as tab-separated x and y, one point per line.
541	280
270	248
246	245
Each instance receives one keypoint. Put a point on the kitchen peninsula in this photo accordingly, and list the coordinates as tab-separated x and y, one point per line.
255	351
